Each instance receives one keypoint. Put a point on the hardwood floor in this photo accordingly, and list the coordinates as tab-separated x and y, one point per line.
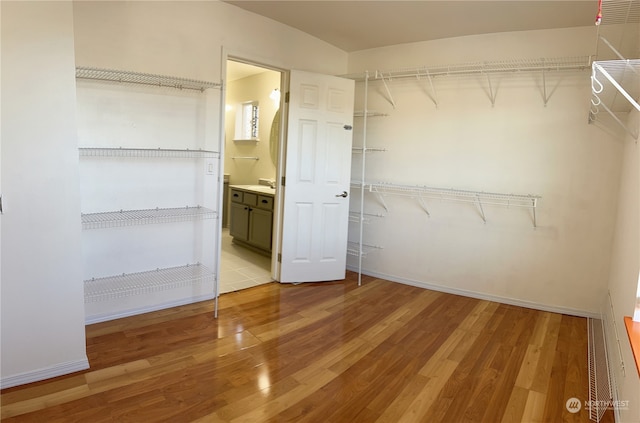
331	352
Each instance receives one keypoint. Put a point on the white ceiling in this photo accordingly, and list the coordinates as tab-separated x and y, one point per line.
358	25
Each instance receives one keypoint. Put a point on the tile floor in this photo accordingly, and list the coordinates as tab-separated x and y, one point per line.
240	267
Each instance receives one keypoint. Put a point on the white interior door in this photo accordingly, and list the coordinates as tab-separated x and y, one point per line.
317	178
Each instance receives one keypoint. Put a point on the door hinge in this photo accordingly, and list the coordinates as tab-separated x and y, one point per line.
279	257
282	181
286	97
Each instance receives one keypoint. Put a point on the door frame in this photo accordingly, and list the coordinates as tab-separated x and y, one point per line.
281	157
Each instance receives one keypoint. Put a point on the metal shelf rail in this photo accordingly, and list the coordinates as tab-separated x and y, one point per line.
429	73
113	219
126	285
481	198
143	79
146	152
610	78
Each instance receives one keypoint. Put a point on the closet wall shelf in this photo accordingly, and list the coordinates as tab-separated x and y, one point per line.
486	69
367	150
143	79
475	68
145	152
361	250
480	198
610	80
122	218
368	113
126	285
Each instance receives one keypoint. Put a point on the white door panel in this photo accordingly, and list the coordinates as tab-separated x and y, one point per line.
318	172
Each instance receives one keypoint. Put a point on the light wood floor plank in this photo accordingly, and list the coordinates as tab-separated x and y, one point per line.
329	352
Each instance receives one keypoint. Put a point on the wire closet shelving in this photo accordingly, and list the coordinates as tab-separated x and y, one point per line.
143	79
161	279
146	152
615	84
113	219
486	69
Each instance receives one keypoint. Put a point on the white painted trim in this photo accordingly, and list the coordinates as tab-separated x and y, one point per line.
45	373
480	295
141	310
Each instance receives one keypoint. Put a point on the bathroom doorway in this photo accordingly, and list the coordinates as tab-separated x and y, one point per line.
252	122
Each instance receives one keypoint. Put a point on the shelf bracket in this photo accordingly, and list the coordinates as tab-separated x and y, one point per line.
386	86
492	94
533	209
433	95
423	205
545	98
634	135
622	91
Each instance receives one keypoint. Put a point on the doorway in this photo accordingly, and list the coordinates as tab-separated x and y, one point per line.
252	122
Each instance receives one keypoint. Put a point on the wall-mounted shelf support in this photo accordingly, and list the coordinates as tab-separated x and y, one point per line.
386	87
492	94
433	95
487	69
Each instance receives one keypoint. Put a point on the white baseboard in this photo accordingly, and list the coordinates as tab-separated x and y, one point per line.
479	295
141	310
46	373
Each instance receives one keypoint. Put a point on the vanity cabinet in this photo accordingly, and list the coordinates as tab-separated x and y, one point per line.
251	219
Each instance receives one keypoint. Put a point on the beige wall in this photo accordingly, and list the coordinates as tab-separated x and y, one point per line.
519	146
185	39
41	291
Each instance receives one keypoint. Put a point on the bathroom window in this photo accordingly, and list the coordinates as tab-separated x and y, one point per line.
247	121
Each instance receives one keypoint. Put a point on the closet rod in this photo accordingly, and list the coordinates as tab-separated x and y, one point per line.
246	158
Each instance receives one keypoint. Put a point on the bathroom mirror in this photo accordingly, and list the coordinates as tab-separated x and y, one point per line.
274	138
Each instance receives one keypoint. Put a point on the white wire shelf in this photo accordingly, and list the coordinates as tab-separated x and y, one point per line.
474	68
113	219
620	12
127	285
356	249
143	79
481	198
367	150
486	69
615	87
146	152
369	113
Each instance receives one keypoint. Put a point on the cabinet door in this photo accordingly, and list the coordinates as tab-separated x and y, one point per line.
260	222
239	221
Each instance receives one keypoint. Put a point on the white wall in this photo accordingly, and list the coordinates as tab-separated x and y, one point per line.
519	146
42	293
257	87
623	280
184	38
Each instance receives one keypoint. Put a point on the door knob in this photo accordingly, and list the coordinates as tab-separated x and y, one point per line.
343	195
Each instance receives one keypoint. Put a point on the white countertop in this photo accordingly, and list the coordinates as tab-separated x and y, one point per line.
260	189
